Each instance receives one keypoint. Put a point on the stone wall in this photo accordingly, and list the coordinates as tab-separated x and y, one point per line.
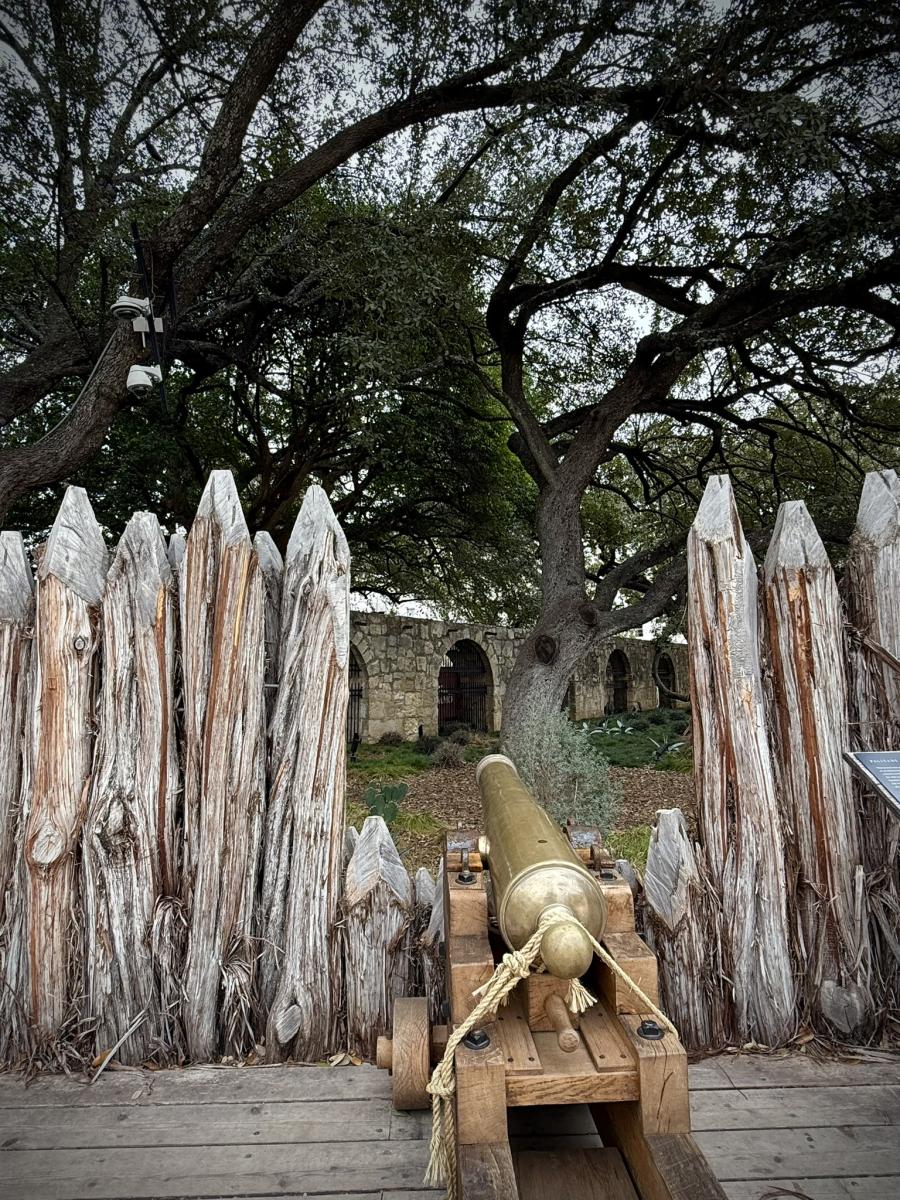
400	659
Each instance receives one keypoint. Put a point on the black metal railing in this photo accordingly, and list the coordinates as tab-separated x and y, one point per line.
464	689
355	704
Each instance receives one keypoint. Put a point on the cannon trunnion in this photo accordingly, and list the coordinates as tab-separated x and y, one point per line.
614	1057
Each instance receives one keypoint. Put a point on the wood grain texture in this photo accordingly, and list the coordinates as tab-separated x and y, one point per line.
873	571
683	920
734	774
487	1172
587	1174
16	621
271	566
71	576
129	832
222	630
378	903
301	883
805	635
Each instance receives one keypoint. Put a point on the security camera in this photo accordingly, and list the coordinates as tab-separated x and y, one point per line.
129	308
143	379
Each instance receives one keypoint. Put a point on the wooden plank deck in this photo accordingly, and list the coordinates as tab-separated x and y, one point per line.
828	1132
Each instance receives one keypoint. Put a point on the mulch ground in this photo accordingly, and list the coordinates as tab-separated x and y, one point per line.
451	796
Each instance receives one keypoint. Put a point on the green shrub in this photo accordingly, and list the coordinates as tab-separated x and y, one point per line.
448	754
452	726
392	738
567	774
659	716
461	737
681	761
385	800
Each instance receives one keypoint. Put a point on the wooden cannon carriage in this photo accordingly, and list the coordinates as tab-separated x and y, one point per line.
615	1057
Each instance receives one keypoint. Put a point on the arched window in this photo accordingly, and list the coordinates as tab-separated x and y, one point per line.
665	673
618	677
358	704
465	688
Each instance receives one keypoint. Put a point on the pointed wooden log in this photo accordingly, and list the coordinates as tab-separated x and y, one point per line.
305	819
351	837
222	630
872	586
378	902
271	565
129	833
423	902
683	913
431	952
16	621
17	716
733	770
805	630
71	575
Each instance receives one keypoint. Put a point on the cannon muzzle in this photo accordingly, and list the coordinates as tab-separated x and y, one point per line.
534	869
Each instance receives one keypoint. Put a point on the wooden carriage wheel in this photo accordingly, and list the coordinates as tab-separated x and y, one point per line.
408	1053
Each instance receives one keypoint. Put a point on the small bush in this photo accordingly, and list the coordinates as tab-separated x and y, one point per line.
681	761
428	743
461	737
392	738
452	726
567	774
659	716
448	754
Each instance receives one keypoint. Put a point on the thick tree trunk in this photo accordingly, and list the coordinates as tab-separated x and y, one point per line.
305	820
378	904
222	618
129	832
733	770
71	576
873	572
805	622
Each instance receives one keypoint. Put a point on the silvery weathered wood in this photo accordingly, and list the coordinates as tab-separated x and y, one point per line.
805	628
351	837
301	879
272	567
17	715
733	770
423	902
378	906
129	832
873	584
684	919
71	575
431	952
16	621
222	632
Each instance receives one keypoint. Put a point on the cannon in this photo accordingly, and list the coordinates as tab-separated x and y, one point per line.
519	876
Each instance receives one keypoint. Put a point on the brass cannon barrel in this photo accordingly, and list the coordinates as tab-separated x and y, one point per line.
534	868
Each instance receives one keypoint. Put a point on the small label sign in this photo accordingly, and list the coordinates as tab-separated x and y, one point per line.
881	770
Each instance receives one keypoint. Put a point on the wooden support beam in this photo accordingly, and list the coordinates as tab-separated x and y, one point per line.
481	1095
635	958
470	961
619	903
662	1166
486	1173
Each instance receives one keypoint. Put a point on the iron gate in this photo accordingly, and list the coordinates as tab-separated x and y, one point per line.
665	670
463	687
355	703
618	671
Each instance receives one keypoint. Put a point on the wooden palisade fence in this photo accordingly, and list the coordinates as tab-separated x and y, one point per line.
172	776
779	918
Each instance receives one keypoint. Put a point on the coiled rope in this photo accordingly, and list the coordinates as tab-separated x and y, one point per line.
513	966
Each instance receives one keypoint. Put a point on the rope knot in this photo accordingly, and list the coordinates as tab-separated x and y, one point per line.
517	964
441	1087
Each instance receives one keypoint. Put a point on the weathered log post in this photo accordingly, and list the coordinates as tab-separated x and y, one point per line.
301	881
222	632
423	903
684	919
129	831
16	621
805	627
733	770
271	565
378	904
71	576
872	586
17	715
431	952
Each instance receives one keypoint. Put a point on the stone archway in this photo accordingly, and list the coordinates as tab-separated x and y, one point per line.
665	674
358	702
618	682
465	687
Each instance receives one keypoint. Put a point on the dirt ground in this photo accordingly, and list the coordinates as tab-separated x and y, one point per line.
451	797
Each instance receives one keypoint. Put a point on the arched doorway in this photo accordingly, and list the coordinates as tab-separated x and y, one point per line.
618	676
358	702
465	688
665	674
